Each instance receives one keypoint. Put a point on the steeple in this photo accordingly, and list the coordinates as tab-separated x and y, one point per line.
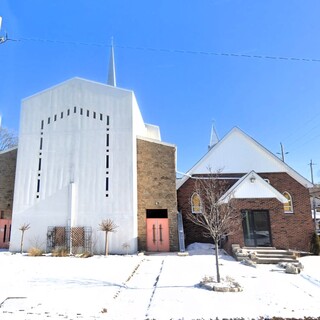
112	69
214	139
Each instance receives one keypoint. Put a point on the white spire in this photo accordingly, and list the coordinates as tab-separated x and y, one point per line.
112	69
214	139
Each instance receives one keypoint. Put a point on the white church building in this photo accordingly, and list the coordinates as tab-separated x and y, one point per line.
79	163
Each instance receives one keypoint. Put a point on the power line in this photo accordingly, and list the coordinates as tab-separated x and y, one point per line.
165	50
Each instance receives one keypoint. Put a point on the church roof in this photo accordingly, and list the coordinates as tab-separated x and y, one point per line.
237	152
78	80
252	186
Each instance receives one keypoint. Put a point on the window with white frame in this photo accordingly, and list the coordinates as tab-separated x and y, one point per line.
288	206
196	206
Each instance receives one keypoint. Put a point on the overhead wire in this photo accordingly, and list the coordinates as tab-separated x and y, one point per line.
166	50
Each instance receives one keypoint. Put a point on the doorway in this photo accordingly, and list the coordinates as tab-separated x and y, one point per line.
157	230
256	228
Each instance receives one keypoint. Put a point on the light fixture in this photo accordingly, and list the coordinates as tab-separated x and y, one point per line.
252	179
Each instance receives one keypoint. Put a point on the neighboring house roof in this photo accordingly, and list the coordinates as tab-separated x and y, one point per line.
252	186
237	152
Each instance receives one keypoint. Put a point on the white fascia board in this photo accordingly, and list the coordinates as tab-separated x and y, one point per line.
75	79
252	186
303	181
8	150
156	141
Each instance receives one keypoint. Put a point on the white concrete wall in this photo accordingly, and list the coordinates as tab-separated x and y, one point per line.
74	151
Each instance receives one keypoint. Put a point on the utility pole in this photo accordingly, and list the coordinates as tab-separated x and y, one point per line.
282	152
313	197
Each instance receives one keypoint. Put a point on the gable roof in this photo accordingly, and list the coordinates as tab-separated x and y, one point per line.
252	186
237	152
78	81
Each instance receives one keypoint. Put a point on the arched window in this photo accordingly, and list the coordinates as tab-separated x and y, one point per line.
196	206
288	206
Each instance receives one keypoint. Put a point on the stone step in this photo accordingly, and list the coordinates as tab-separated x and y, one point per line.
273	260
258	248
274	253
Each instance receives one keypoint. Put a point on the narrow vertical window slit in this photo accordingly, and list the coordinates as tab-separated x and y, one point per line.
107	161
107	140
107	183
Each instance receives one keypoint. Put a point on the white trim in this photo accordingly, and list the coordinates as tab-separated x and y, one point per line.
8	150
252	178
294	174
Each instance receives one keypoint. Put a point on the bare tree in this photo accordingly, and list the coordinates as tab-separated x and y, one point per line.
214	214
107	226
23	228
8	139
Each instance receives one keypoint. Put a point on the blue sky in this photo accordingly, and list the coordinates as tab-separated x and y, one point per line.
273	99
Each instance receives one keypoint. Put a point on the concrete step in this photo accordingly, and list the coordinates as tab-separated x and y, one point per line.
273	260
274	253
266	255
273	256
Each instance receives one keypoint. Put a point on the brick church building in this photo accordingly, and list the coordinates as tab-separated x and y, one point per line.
270	199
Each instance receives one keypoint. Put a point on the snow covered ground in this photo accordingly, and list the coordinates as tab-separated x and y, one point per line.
160	286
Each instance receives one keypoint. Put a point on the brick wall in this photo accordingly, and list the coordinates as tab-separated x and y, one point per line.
156	187
8	161
288	230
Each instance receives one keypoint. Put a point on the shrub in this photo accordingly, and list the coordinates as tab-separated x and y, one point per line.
315	244
60	252
85	254
35	252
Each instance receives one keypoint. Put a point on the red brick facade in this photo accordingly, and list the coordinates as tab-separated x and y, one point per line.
288	230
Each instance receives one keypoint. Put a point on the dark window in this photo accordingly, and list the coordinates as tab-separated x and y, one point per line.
61	115
2	214
157	213
88	113
81	111
107	140
94	114
38	185
101	117
39	167
41	140
107	120
68	112
107	161
42	124
49	120
107	183
55	117
74	109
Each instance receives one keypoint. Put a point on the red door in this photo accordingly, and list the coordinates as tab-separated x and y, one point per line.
5	229
157	234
